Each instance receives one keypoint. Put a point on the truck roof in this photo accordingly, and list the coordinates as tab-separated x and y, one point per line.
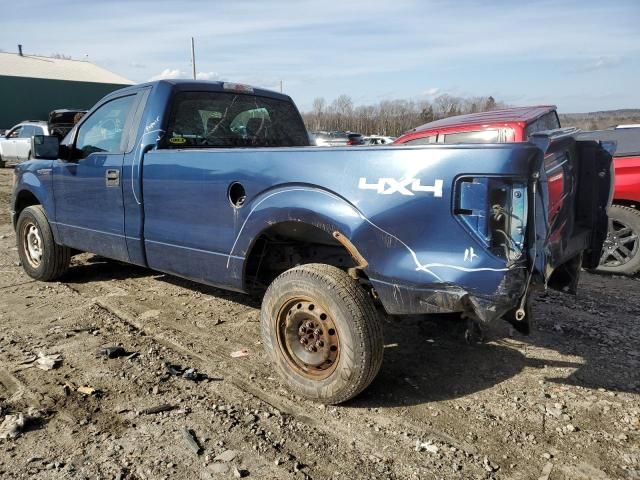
506	115
209	85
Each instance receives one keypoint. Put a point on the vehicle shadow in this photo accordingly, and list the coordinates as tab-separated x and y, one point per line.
237	297
96	268
427	360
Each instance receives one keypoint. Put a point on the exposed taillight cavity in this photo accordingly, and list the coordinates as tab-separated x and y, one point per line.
494	209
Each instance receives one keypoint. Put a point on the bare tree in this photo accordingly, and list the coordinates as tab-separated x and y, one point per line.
389	117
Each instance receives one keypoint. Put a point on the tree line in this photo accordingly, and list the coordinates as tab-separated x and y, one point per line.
390	117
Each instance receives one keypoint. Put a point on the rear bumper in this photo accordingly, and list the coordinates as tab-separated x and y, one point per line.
508	289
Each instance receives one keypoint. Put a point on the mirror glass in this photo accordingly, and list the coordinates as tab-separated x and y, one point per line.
45	146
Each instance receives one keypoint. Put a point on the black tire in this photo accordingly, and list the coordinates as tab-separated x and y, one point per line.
621	249
342	316
41	257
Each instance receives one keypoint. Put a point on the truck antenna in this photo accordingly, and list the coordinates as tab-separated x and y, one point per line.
193	57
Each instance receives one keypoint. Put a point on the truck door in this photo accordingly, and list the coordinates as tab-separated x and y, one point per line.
23	143
9	145
87	187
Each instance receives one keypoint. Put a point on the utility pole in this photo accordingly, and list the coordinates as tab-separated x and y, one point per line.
193	57
280	86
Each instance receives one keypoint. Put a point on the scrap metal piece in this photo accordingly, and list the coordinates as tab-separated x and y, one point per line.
353	251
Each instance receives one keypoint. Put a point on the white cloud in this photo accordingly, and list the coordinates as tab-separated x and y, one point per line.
600	63
207	76
431	92
169	73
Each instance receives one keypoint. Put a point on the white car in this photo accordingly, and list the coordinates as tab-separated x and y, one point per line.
378	140
15	145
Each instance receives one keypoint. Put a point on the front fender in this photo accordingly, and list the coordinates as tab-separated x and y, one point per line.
35	178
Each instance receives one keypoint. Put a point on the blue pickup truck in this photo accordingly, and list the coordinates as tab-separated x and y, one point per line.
216	182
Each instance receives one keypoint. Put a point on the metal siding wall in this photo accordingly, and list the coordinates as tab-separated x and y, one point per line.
23	98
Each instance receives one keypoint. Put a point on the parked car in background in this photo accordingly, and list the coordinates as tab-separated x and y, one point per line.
330	139
15	145
508	125
355	139
378	140
61	121
621	250
621	253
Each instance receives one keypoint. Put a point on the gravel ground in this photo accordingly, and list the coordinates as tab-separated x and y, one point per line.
562	403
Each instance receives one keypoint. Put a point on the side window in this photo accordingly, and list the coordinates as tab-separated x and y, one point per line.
102	131
548	121
480	136
37	130
27	131
15	133
422	140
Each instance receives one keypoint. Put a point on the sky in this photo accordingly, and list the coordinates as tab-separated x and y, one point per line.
580	55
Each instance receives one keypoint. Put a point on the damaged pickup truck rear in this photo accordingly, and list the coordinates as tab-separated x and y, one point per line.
216	182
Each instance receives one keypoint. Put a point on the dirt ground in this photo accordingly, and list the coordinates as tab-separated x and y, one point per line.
562	403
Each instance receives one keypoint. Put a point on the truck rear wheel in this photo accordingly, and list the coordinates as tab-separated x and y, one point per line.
621	249
323	332
42	258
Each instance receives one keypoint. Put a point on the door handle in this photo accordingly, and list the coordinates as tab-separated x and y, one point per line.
113	178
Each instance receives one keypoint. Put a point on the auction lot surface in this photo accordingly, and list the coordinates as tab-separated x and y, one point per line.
563	403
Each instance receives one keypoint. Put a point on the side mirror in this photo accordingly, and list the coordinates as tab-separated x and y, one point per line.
46	147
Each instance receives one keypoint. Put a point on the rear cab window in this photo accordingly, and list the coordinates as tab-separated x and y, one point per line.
478	136
231	119
549	121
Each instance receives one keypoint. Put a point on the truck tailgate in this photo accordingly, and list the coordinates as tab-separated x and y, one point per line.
575	186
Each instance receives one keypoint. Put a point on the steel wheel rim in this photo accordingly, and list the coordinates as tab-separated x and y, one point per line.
620	246
32	242
308	338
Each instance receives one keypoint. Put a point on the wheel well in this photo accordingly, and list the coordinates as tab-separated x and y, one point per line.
288	244
24	199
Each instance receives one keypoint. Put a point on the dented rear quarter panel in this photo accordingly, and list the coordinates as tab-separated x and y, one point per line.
411	239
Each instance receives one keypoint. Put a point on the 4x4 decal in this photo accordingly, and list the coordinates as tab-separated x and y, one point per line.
408	186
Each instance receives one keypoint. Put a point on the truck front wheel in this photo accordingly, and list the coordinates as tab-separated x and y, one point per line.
42	258
323	332
621	249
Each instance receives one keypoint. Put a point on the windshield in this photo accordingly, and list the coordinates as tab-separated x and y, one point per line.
222	119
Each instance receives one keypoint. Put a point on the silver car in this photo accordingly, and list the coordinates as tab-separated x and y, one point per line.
15	144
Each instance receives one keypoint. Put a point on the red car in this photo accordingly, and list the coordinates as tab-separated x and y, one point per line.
621	253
